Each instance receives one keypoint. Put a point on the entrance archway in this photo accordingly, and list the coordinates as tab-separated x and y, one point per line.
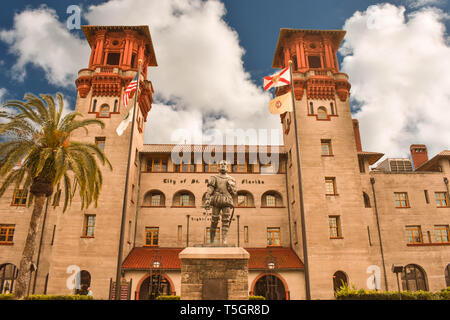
270	286
8	275
150	290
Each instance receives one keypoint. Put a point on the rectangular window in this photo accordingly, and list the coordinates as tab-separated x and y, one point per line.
442	199
7	234
211	166
180	233
185	167
414	234
89	225
271	201
326	147
151	236
113	59
273	237
100	142
242	200
335	227
155	200
441	233
401	200
19	198
246	234
427	198
184	200
330	186
362	165
314	62
208	235
157	164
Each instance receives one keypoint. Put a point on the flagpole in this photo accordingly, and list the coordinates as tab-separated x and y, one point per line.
300	191
125	194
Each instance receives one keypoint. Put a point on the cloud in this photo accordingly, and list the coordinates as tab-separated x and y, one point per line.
200	75
39	39
422	3
397	65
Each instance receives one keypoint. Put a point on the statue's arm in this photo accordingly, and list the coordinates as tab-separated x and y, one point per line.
232	186
210	190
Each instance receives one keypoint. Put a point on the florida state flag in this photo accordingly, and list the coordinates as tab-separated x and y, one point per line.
281	104
279	79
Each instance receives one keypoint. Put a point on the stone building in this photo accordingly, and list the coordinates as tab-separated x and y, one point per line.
326	213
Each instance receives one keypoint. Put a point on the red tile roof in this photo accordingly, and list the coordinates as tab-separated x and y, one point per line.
433	164
140	258
371	156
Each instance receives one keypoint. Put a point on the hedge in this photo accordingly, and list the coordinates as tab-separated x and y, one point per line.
347	293
58	297
256	298
7	296
164	297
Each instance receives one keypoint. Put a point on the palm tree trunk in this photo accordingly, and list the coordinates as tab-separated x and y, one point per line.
30	246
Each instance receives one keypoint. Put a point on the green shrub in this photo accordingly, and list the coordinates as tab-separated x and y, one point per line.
163	297
444	294
346	293
58	297
256	298
7	296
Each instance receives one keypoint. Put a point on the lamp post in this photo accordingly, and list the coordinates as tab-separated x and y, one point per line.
397	269
271	266
154	285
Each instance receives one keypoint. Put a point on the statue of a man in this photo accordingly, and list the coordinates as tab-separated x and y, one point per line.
219	196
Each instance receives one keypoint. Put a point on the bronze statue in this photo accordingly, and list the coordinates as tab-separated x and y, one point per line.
219	197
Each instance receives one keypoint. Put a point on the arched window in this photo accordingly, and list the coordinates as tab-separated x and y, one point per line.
339	279
271	199
116	105
311	108
447	275
104	111
84	282
414	278
154	198
322	113
183	199
270	287
244	199
94	105
8	275
366	200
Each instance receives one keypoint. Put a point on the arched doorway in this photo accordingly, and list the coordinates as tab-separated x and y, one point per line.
8	275
271	287
85	283
447	275
339	279
414	278
150	290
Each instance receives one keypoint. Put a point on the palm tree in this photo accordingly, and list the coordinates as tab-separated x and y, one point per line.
37	135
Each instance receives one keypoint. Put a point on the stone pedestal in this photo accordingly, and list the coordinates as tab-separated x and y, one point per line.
214	273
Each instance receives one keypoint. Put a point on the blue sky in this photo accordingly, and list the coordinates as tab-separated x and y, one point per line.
249	31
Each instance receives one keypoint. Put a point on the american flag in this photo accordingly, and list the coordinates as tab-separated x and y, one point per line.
129	90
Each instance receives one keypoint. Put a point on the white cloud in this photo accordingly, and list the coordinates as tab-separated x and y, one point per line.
422	3
39	39
398	67
200	71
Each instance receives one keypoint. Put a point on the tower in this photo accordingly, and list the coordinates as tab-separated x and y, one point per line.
89	238
331	219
